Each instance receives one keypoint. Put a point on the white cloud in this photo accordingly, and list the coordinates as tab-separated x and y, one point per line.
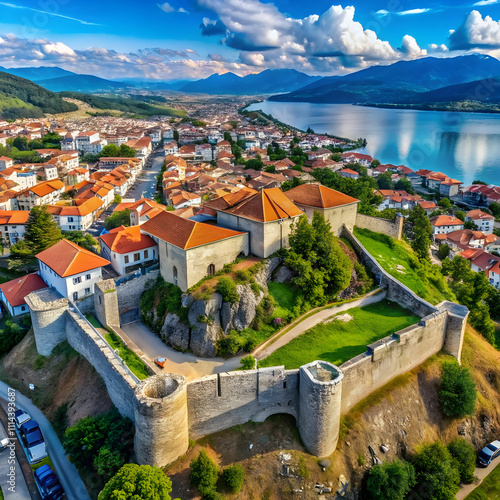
411	12
434	48
166	7
485	2
476	32
411	49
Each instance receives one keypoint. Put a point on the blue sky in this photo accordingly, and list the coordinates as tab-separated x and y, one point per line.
195	38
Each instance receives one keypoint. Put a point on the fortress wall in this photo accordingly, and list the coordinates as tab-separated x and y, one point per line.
129	293
396	291
217	402
119	382
390	357
392	228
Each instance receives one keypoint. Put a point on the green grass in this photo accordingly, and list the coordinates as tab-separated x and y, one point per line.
93	320
45	461
489	489
337	341
130	358
425	280
285	294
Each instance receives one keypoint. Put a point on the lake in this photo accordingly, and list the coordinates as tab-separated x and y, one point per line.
464	146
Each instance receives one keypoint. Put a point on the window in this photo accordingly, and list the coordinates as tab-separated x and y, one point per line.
175	275
70	219
126	259
77	280
145	254
75	295
88	277
211	270
87	291
23	308
137	256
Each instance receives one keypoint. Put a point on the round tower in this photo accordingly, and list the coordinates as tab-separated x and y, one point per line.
161	419
320	391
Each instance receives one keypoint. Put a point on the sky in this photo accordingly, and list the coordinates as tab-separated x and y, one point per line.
191	39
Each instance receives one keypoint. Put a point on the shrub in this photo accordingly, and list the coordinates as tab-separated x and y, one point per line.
10	336
256	288
465	459
59	421
458	392
436	472
248	362
390	481
227	288
243	275
250	344
229	345
443	251
204	474
233	477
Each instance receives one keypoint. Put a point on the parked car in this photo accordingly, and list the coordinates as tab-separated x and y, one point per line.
48	484
20	417
488	453
33	441
160	362
4	443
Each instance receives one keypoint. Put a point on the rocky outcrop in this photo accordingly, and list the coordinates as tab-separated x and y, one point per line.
284	274
204	318
240	315
175	333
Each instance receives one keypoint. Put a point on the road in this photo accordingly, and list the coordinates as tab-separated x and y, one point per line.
145	184
186	364
65	470
480	473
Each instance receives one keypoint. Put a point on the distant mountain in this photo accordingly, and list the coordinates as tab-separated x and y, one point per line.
21	98
267	82
156	84
36	74
399	82
82	83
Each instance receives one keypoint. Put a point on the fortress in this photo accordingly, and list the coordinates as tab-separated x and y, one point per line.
168	411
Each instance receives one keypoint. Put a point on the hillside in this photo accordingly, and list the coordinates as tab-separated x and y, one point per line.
81	83
267	82
21	98
125	105
397	83
36	74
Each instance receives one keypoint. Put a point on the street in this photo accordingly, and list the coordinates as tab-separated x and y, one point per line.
65	470
480	473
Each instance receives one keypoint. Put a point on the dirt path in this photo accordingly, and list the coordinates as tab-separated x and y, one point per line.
300	327
480	473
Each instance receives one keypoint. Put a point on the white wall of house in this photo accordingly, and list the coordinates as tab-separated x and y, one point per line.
445	229
494	279
120	262
12	233
13	311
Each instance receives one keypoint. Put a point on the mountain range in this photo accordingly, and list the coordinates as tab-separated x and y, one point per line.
399	83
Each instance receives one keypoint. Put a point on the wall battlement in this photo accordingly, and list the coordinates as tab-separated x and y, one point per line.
167	410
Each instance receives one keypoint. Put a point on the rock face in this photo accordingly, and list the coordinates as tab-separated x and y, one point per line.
204	334
284	274
240	315
175	333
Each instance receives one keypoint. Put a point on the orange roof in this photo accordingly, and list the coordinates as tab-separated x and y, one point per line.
127	239
87	207
266	206
67	259
446	220
14	216
315	195
348	171
496	268
479	214
44	188
185	233
17	289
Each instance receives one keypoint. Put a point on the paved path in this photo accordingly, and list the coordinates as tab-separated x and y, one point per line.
65	470
145	184
480	473
186	364
269	347
14	487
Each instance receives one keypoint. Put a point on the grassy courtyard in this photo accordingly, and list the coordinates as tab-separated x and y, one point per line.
399	260
489	489
337	341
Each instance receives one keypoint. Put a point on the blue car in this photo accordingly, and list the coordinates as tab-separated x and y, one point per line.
32	439
48	484
488	453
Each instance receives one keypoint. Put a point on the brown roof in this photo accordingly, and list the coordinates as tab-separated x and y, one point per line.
15	290
185	233
315	195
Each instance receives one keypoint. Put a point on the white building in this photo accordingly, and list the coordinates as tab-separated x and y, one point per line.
444	224
43	193
70	269
482	220
494	275
90	142
13	292
13	225
76	218
5	162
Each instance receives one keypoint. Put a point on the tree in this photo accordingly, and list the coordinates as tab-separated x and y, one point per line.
248	362
420	232
443	251
84	240
117	219
404	184
110	150
233	477
495	209
137	482
436	472
460	214
204	474
126	151
385	181
117	199
21	143
391	480
41	233
255	163
375	163
457	394
445	203
336	157
464	455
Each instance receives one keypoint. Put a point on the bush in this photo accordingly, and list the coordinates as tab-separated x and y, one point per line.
10	336
59	421
248	362
444	251
233	477
390	481
227	288
464	455
204	474
243	275
458	392
229	345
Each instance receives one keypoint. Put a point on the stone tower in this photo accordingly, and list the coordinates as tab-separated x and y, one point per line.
161	419
320	391
106	303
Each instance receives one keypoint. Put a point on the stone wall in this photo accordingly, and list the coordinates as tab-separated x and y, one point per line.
335	216
129	293
392	228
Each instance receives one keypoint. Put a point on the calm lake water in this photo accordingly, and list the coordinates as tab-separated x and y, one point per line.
464	146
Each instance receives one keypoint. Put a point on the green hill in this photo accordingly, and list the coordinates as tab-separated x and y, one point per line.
21	98
126	105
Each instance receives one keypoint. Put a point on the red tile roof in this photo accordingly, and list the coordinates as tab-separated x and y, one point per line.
15	290
127	239
315	195
446	220
67	259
